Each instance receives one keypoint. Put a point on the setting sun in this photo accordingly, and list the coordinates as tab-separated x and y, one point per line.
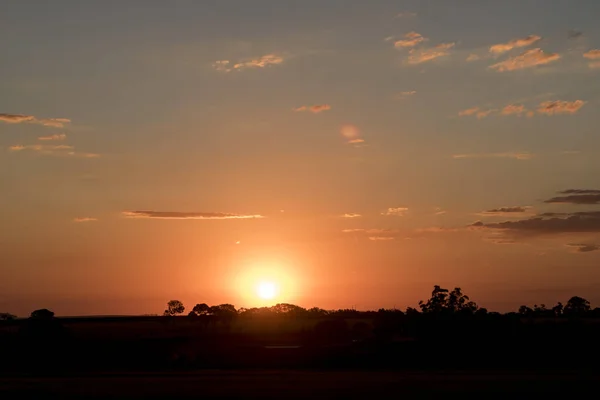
266	290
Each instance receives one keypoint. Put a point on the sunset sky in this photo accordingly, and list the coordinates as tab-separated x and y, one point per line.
355	153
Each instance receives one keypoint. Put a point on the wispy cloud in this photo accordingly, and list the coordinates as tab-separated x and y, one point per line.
560	107
592	54
259	62
351	215
516	109
411	39
513	44
515	155
352	135
59	136
317	108
187	215
528	59
506	211
61	150
21	118
374	234
419	56
473	57
85	219
583	247
576	196
549	223
476	111
395	211
404	95
406	14
40	147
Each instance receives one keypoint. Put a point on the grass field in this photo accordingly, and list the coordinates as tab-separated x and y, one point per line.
275	384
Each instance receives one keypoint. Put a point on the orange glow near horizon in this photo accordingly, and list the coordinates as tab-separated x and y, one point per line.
265	285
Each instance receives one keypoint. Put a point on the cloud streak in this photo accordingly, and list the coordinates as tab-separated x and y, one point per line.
187	215
560	107
513	44
85	219
576	196
411	39
528	59
583	247
506	211
395	211
514	155
259	62
317	108
30	119
59	136
419	56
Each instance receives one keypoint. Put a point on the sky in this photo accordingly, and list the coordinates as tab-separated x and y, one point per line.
352	153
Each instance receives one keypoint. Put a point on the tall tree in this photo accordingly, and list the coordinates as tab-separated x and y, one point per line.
174	307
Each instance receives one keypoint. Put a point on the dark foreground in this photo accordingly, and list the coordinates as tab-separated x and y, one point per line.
290	384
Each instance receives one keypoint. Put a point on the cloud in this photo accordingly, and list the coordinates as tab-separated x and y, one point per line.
21	118
550	223
473	57
515	155
592	54
423	55
187	215
356	141
475	111
594	65
375	234
584	248
351	215
404	95
85	219
574	34
381	238
16	118
59	136
40	147
411	39
352	134
260	62
317	108
527	59
513	44
395	211
406	14
576	196
506	211
514	109
560	107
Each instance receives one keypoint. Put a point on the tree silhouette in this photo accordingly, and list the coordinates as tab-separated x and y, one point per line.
200	309
7	317
576	306
42	314
450	302
174	307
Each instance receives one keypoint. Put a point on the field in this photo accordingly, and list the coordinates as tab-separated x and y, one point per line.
283	384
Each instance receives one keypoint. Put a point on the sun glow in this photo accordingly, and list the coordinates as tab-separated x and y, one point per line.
266	290
266	285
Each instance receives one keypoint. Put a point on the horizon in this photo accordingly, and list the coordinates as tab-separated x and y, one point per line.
347	154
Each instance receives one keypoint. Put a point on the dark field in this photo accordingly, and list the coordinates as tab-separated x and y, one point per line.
293	384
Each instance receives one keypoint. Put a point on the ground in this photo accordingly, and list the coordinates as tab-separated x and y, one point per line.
288	384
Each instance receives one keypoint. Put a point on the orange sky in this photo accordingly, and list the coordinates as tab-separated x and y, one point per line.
354	153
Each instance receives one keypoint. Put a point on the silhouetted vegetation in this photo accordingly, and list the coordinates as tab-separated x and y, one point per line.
448	325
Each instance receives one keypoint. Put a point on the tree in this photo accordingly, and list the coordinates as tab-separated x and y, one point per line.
444	301
525	311
200	309
174	307
577	306
7	317
42	314
558	309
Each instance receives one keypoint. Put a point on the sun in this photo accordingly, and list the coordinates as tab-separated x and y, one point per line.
266	290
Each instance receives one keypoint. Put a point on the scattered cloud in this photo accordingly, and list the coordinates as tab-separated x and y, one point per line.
260	62
592	54
576	196
560	107
439	211
423	55
59	136
85	219
356	141
527	59
515	109
411	39
375	234
381	238
187	215
317	108
574	34
395	211
21	118
406	14
352	135
513	44
404	95
40	147
478	112
585	222
351	215
506	211
583	248
515	155
473	57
